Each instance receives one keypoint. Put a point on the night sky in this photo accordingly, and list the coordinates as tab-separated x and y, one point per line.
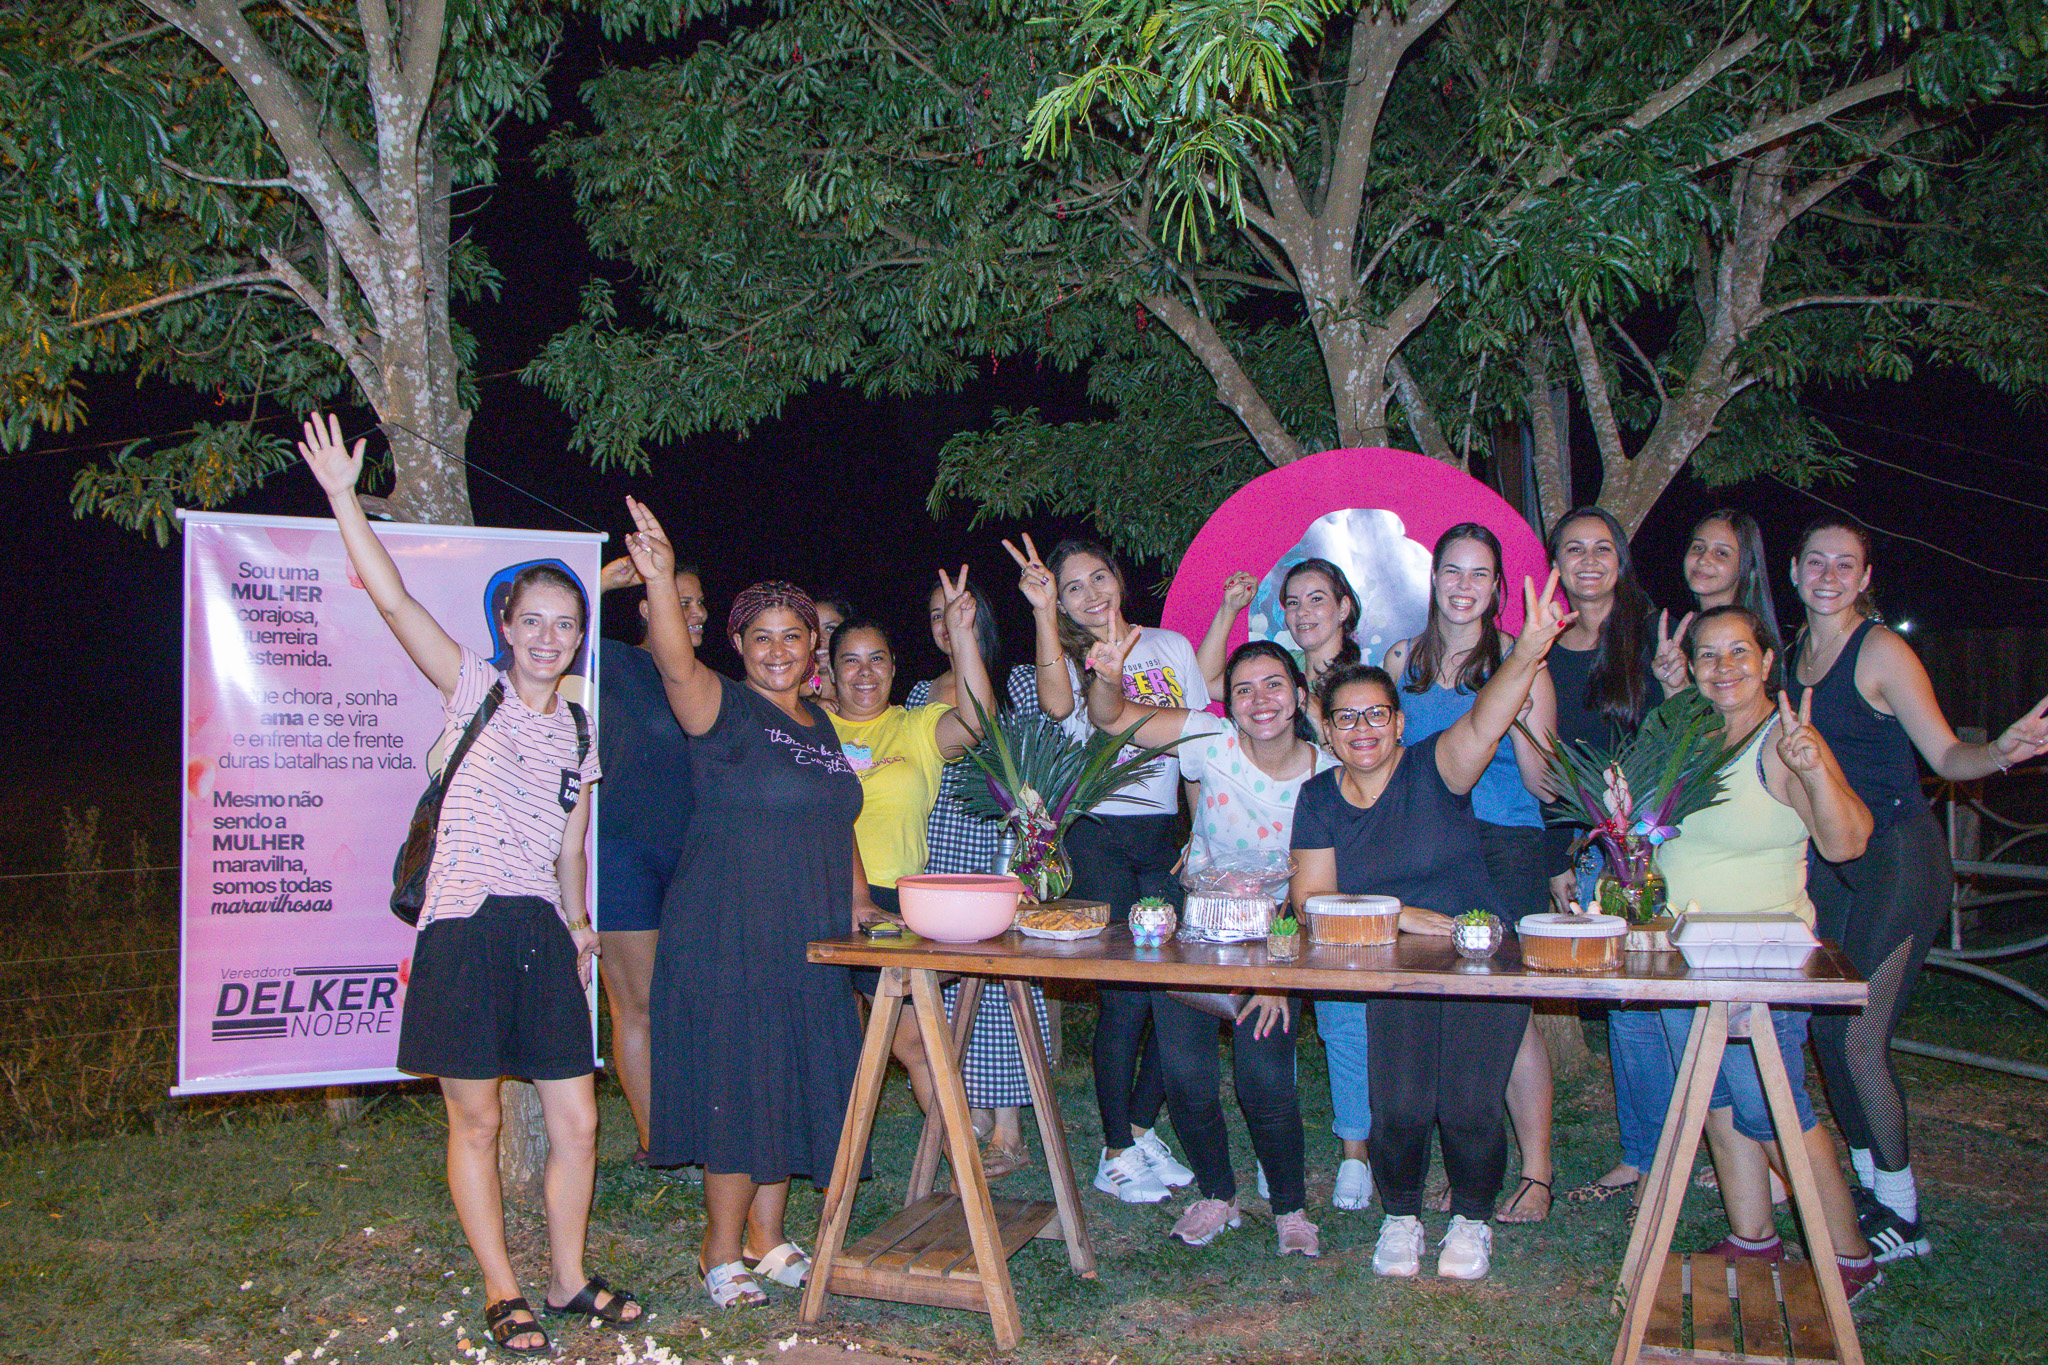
830	496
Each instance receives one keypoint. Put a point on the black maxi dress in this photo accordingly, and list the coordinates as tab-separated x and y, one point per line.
754	1049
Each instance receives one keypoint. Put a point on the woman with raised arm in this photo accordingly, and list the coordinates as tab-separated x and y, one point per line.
505	945
1320	611
1397	821
1747	854
1128	850
1441	672
641	825
754	1046
1251	768
899	754
1873	702
956	840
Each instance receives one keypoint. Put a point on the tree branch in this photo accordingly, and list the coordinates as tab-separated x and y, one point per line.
1235	389
897	45
247	279
1593	379
276	183
1656	381
1429	433
1820	187
1820	111
1378	43
1864	300
318	30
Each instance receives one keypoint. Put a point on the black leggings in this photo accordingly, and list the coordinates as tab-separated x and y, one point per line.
1443	1064
1119	859
1262	1070
1884	908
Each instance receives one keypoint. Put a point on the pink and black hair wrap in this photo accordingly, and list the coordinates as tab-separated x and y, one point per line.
767	596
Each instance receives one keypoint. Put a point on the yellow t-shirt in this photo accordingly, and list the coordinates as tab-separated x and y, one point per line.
897	757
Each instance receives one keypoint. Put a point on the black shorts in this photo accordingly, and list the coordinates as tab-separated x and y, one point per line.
494	995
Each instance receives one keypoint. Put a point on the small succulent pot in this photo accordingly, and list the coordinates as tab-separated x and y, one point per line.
1478	935
1152	921
1283	942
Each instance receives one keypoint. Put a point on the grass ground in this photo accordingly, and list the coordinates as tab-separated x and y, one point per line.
252	1234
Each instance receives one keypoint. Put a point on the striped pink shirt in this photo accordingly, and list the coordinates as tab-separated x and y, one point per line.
502	819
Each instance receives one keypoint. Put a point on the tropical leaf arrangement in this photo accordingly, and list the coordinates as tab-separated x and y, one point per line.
1038	780
1633	798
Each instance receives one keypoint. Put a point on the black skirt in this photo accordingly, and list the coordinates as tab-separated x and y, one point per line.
495	994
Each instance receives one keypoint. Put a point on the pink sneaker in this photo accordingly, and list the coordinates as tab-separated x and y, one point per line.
1203	1220
1297	1234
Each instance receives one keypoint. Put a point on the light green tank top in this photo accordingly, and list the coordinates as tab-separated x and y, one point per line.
1746	854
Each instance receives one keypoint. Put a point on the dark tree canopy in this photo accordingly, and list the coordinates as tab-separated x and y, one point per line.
1263	230
257	201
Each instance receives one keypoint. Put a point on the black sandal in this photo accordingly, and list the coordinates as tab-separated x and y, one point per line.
584	1305
1514	1201
498	1318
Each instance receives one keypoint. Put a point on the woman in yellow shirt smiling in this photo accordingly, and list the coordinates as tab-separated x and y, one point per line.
900	754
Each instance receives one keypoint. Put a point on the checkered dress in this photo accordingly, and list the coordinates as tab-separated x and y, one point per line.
960	842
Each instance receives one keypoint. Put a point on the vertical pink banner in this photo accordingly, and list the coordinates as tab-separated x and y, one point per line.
307	734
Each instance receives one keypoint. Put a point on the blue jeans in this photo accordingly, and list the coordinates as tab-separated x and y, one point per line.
1740	1085
1341	1025
1645	1073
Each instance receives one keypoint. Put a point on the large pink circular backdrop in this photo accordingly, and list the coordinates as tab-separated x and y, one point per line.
1268	517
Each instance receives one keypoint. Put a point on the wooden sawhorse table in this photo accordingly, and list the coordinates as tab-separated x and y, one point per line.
953	1250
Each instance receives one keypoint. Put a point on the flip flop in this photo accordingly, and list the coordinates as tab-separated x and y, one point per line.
786	1265
584	1304
732	1286
1510	1212
498	1319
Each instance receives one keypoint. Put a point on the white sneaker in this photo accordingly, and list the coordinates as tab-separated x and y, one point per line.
1160	1158
1400	1248
1465	1250
1128	1176
1354	1185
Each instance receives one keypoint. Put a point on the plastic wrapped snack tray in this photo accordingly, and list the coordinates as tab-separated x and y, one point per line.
1713	941
1212	917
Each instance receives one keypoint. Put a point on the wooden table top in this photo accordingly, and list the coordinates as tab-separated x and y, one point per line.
1416	965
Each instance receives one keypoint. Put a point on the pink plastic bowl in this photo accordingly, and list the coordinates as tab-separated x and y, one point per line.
963	907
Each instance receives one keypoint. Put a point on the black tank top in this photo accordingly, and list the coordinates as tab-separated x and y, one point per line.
1873	748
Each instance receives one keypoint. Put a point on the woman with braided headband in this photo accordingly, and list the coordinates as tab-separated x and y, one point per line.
754	1048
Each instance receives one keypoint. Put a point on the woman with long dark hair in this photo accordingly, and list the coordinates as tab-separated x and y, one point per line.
1601	670
1440	672
1724	566
1251	768
505	945
1873	702
1128	850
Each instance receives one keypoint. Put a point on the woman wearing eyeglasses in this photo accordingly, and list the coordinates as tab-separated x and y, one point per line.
1395	821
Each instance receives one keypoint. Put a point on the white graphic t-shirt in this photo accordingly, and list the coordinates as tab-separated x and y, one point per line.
1160	671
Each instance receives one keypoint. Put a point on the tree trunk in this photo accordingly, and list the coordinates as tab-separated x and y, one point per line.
522	1142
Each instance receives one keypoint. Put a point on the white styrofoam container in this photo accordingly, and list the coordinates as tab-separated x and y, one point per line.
1743	941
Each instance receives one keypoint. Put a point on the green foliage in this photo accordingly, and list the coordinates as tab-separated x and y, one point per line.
898	199
145	208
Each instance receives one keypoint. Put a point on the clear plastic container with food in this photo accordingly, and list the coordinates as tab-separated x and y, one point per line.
1572	943
1353	921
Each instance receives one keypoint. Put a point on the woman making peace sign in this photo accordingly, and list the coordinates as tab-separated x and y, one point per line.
1746	854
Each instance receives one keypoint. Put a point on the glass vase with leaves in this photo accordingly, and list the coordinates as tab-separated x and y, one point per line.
1632	797
1038	780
